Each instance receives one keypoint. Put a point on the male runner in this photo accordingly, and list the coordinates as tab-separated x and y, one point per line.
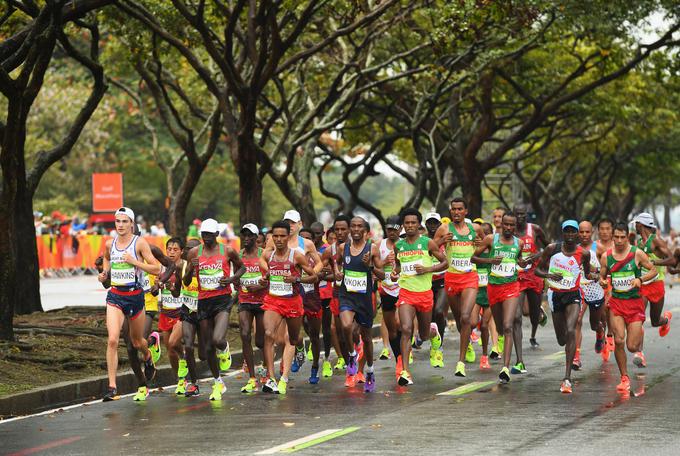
605	232
653	291
211	265
325	294
461	277
561	264
530	286
250	298
190	324
125	299
626	308
358	257
282	305
432	222
413	269
311	301
482	302
503	289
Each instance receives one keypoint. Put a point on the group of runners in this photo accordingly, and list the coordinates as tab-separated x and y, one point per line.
331	282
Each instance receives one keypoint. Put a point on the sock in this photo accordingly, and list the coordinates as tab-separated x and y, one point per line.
395	343
219	380
369	369
284	379
353	353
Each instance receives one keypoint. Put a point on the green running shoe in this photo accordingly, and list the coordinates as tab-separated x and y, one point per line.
519	368
436	358
182	369
385	353
501	344
504	376
142	394
410	357
544	318
470	354
217	390
181	387
155	346
250	387
327	369
436	341
340	365
460	369
283	386
225	360
310	355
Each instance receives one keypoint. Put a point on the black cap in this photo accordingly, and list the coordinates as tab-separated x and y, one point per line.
393	221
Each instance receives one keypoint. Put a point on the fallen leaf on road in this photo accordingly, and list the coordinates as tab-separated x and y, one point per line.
288	424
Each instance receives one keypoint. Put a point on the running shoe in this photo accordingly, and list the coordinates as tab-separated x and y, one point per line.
501	344
369	386
470	354
352	365
155	346
400	366
182	369
110	395
610	343
544	318
436	340
599	342
519	368
639	360
360	377
576	364
310	354
149	369
460	369
385	353
294	367
142	394
484	363
300	356
260	371
217	390
474	337
410	357
665	328
436	358
270	386
181	387
605	352
340	365
350	381
504	376
565	387
494	353
534	343
192	390
624	385
250	387
405	378
327	369
314	376
283	386
225	359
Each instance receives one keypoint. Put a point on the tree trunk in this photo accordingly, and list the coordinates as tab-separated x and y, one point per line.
250	186
302	173
180	201
667	214
27	297
472	191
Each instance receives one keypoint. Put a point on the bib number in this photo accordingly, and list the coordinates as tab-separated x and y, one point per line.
483	278
622	281
277	287
460	264
122	275
249	282
568	279
308	287
209	279
356	282
506	269
409	268
168	301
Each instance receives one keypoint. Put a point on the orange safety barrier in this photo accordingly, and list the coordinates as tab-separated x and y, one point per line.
59	252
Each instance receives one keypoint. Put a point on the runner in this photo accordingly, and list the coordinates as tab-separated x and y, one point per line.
432	222
358	257
251	295
503	289
413	269
605	232
530	286
282	304
211	263
653	292
326	294
190	324
125	299
482	302
626	308
461	277
311	302
497	217
561	265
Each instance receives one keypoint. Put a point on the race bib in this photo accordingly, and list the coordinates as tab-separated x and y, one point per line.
168	301
190	299
408	265
388	279
505	269
568	279
356	282
277	287
483	278
460	263
250	279
210	279
122	275
308	287
622	281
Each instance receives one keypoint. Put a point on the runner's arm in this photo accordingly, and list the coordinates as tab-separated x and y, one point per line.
377	262
336	269
483	246
524	262
302	262
660	248
585	263
542	268
435	252
151	266
192	259
235	259
442	235
540	237
165	261
394	275
314	255
644	261
326	259
604	270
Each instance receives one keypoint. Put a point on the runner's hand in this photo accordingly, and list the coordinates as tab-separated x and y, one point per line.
420	269
366	259
340	277
194	262
638	281
555	277
289	279
129	259
603	283
394	276
102	276
497	260
264	282
154	289
448	237
390	258
224	281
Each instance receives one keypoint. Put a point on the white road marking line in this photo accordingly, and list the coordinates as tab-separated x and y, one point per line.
292	443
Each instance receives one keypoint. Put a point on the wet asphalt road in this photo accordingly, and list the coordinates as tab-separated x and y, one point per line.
528	416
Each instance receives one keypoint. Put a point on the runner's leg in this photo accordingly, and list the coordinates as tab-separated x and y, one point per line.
245	318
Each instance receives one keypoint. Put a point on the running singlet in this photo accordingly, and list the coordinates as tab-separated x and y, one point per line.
334	256
357	278
251	278
410	256
439	275
124	274
483	271
592	291
569	267
506	272
190	292
623	274
460	249
529	247
210	271
387	286
309	287
278	269
325	287
647	247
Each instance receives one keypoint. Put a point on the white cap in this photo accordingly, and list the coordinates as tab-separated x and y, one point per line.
467	220
209	226
433	215
250	227
126	211
646	219
292	215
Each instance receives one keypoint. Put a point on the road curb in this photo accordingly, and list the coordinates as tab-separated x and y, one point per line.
73	392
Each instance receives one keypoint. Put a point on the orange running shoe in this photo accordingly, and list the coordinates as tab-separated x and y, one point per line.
484	363
566	386
605	353
639	360
360	377
610	343
665	329
350	381
624	386
576	363
360	350
474	337
400	367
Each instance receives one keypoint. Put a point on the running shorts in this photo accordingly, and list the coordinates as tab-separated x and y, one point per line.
422	301
254	308
286	307
188	316
499	293
631	310
131	303
364	313
388	302
437	284
209	307
311	302
530	281
594	305
335	306
559	300
166	321
456	283
482	299
654	292
326	303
